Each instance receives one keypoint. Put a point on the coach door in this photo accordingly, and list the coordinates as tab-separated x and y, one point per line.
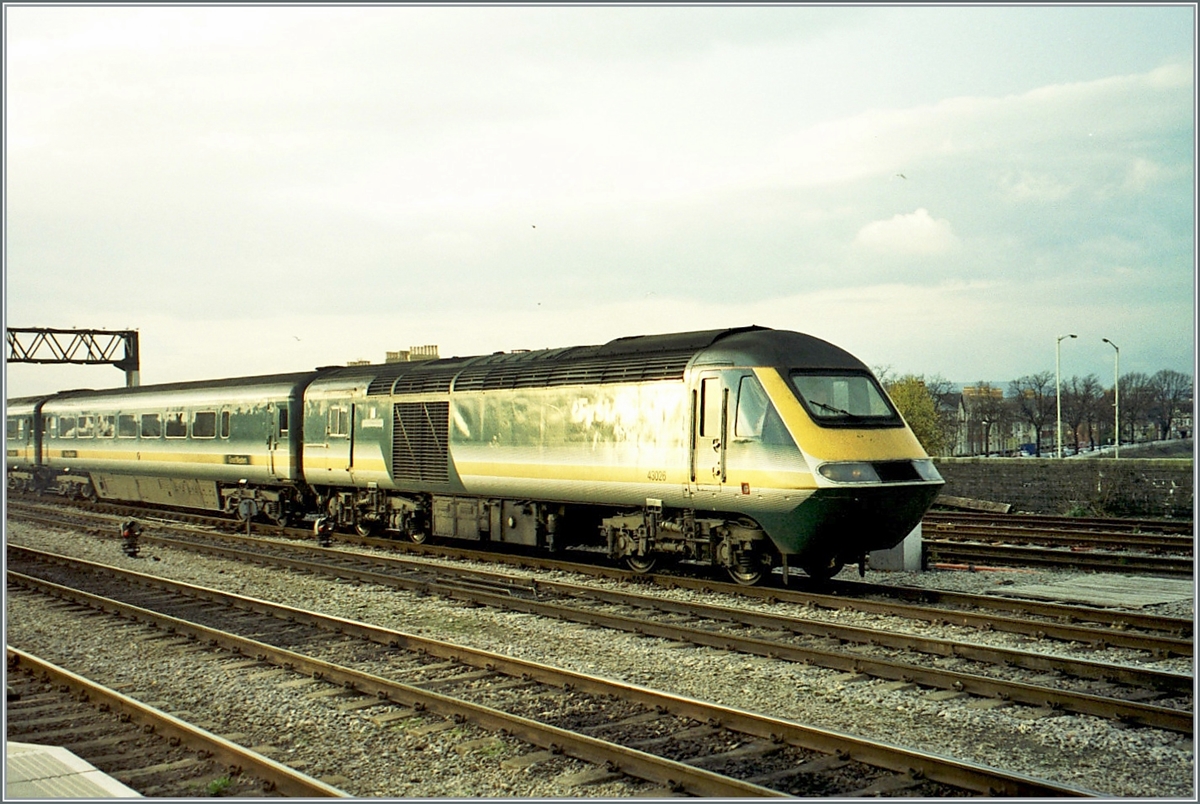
710	415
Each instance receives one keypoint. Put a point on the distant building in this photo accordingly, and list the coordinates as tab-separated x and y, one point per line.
358	362
413	354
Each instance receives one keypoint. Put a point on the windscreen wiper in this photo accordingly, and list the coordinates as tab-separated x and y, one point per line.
832	409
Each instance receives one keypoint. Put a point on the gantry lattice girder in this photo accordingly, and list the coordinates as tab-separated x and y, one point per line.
78	346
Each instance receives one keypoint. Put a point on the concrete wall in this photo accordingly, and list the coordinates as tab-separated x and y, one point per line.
1094	487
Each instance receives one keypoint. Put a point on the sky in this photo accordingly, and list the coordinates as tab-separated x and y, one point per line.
939	190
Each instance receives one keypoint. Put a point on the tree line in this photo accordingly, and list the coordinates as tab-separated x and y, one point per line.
982	419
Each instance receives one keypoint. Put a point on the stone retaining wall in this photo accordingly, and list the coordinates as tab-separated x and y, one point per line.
1090	487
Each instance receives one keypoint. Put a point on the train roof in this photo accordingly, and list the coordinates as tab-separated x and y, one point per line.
281	381
639	358
629	359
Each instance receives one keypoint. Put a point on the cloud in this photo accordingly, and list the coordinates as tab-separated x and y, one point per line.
917	233
1036	187
1065	122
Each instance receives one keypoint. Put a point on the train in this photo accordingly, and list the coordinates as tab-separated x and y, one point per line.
747	450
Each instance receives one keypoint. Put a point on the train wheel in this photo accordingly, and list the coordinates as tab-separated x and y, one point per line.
417	536
87	492
641	564
366	527
745	577
823	570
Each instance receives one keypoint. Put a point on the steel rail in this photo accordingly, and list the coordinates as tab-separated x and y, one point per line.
1019	692
1122	524
498	591
679	776
285	780
1061	538
1098	637
965	552
676	775
1000	601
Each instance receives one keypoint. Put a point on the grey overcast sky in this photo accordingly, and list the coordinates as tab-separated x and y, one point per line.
940	190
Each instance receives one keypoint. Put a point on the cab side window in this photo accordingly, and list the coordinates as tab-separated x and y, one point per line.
756	417
752	407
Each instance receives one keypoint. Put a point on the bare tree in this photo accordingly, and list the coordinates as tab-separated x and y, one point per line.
1078	401
942	391
987	406
1033	400
1093	392
1135	402
1169	391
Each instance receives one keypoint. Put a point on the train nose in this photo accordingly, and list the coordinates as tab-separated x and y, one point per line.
847	521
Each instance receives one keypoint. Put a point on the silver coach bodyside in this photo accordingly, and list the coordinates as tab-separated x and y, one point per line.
174	444
21	440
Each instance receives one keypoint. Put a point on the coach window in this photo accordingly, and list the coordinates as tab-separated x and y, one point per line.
204	424
87	427
176	426
107	427
151	425
283	421
66	426
127	426
339	422
224	424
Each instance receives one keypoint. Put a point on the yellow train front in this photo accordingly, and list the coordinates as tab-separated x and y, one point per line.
741	448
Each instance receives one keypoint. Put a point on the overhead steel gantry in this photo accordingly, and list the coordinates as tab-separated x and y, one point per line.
80	346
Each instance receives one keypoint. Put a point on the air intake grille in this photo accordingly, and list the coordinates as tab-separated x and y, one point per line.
419	442
624	368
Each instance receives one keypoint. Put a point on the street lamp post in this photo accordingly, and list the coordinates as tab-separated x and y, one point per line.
1058	386
1116	398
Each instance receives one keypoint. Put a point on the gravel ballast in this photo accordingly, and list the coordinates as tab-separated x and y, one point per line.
1084	751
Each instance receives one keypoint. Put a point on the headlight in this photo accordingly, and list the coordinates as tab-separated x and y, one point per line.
927	471
849	472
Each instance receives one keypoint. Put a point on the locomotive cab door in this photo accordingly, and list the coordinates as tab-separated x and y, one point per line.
710	422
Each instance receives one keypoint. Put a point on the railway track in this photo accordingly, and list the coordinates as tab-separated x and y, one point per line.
1076	685
1035	522
1036	618
1047	537
1159	635
1096	545
941	551
682	744
148	750
870	651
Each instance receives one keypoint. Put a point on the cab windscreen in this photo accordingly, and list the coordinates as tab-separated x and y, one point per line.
845	399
